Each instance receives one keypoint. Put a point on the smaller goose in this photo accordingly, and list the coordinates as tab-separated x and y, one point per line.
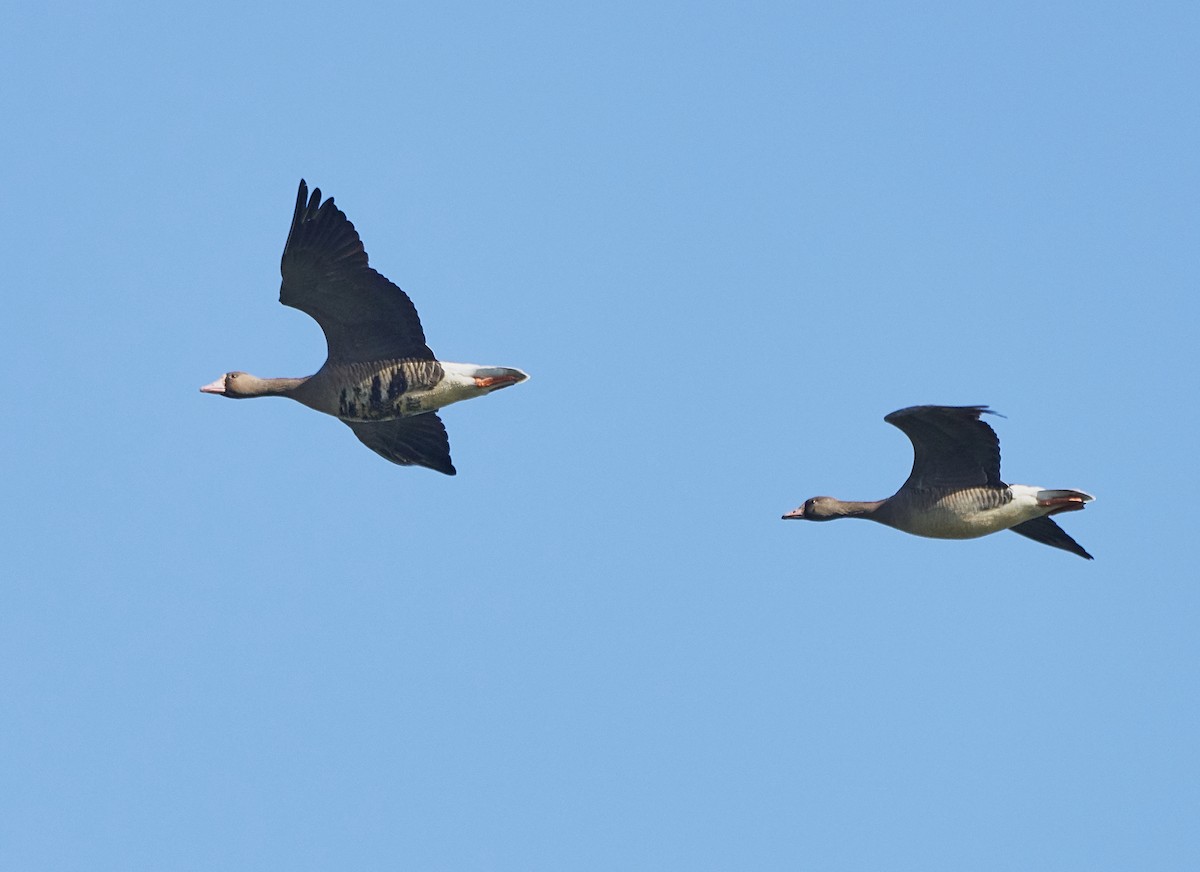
379	378
954	490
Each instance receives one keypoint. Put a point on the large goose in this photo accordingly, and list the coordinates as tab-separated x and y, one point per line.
954	490
380	377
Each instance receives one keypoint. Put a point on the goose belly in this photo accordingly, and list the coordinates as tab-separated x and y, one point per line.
968	515
355	404
399	391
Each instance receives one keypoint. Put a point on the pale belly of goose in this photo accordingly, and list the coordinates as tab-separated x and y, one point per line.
966	514
394	390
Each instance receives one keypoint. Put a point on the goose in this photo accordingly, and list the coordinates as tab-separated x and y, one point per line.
954	490
379	378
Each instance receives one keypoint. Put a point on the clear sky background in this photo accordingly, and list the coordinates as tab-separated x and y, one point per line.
724	241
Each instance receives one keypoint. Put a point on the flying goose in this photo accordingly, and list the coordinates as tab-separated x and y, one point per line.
380	377
954	490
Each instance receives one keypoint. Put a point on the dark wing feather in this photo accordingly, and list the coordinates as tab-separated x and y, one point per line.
325	275
1047	532
952	447
420	440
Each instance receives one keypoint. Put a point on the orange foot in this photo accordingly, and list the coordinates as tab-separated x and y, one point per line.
496	381
1063	504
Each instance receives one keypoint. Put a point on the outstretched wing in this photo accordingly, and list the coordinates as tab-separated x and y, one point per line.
952	447
1047	532
325	275
420	440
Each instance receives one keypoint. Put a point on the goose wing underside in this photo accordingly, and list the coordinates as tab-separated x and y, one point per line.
325	275
1047	532
417	441
952	447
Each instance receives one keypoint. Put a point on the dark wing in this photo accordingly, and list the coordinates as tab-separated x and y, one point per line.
325	274
1047	532
952	447
417	441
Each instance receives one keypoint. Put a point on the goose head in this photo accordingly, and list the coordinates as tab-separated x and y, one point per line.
818	509
240	385
233	384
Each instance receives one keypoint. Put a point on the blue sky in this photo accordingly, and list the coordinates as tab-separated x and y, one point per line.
724	241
